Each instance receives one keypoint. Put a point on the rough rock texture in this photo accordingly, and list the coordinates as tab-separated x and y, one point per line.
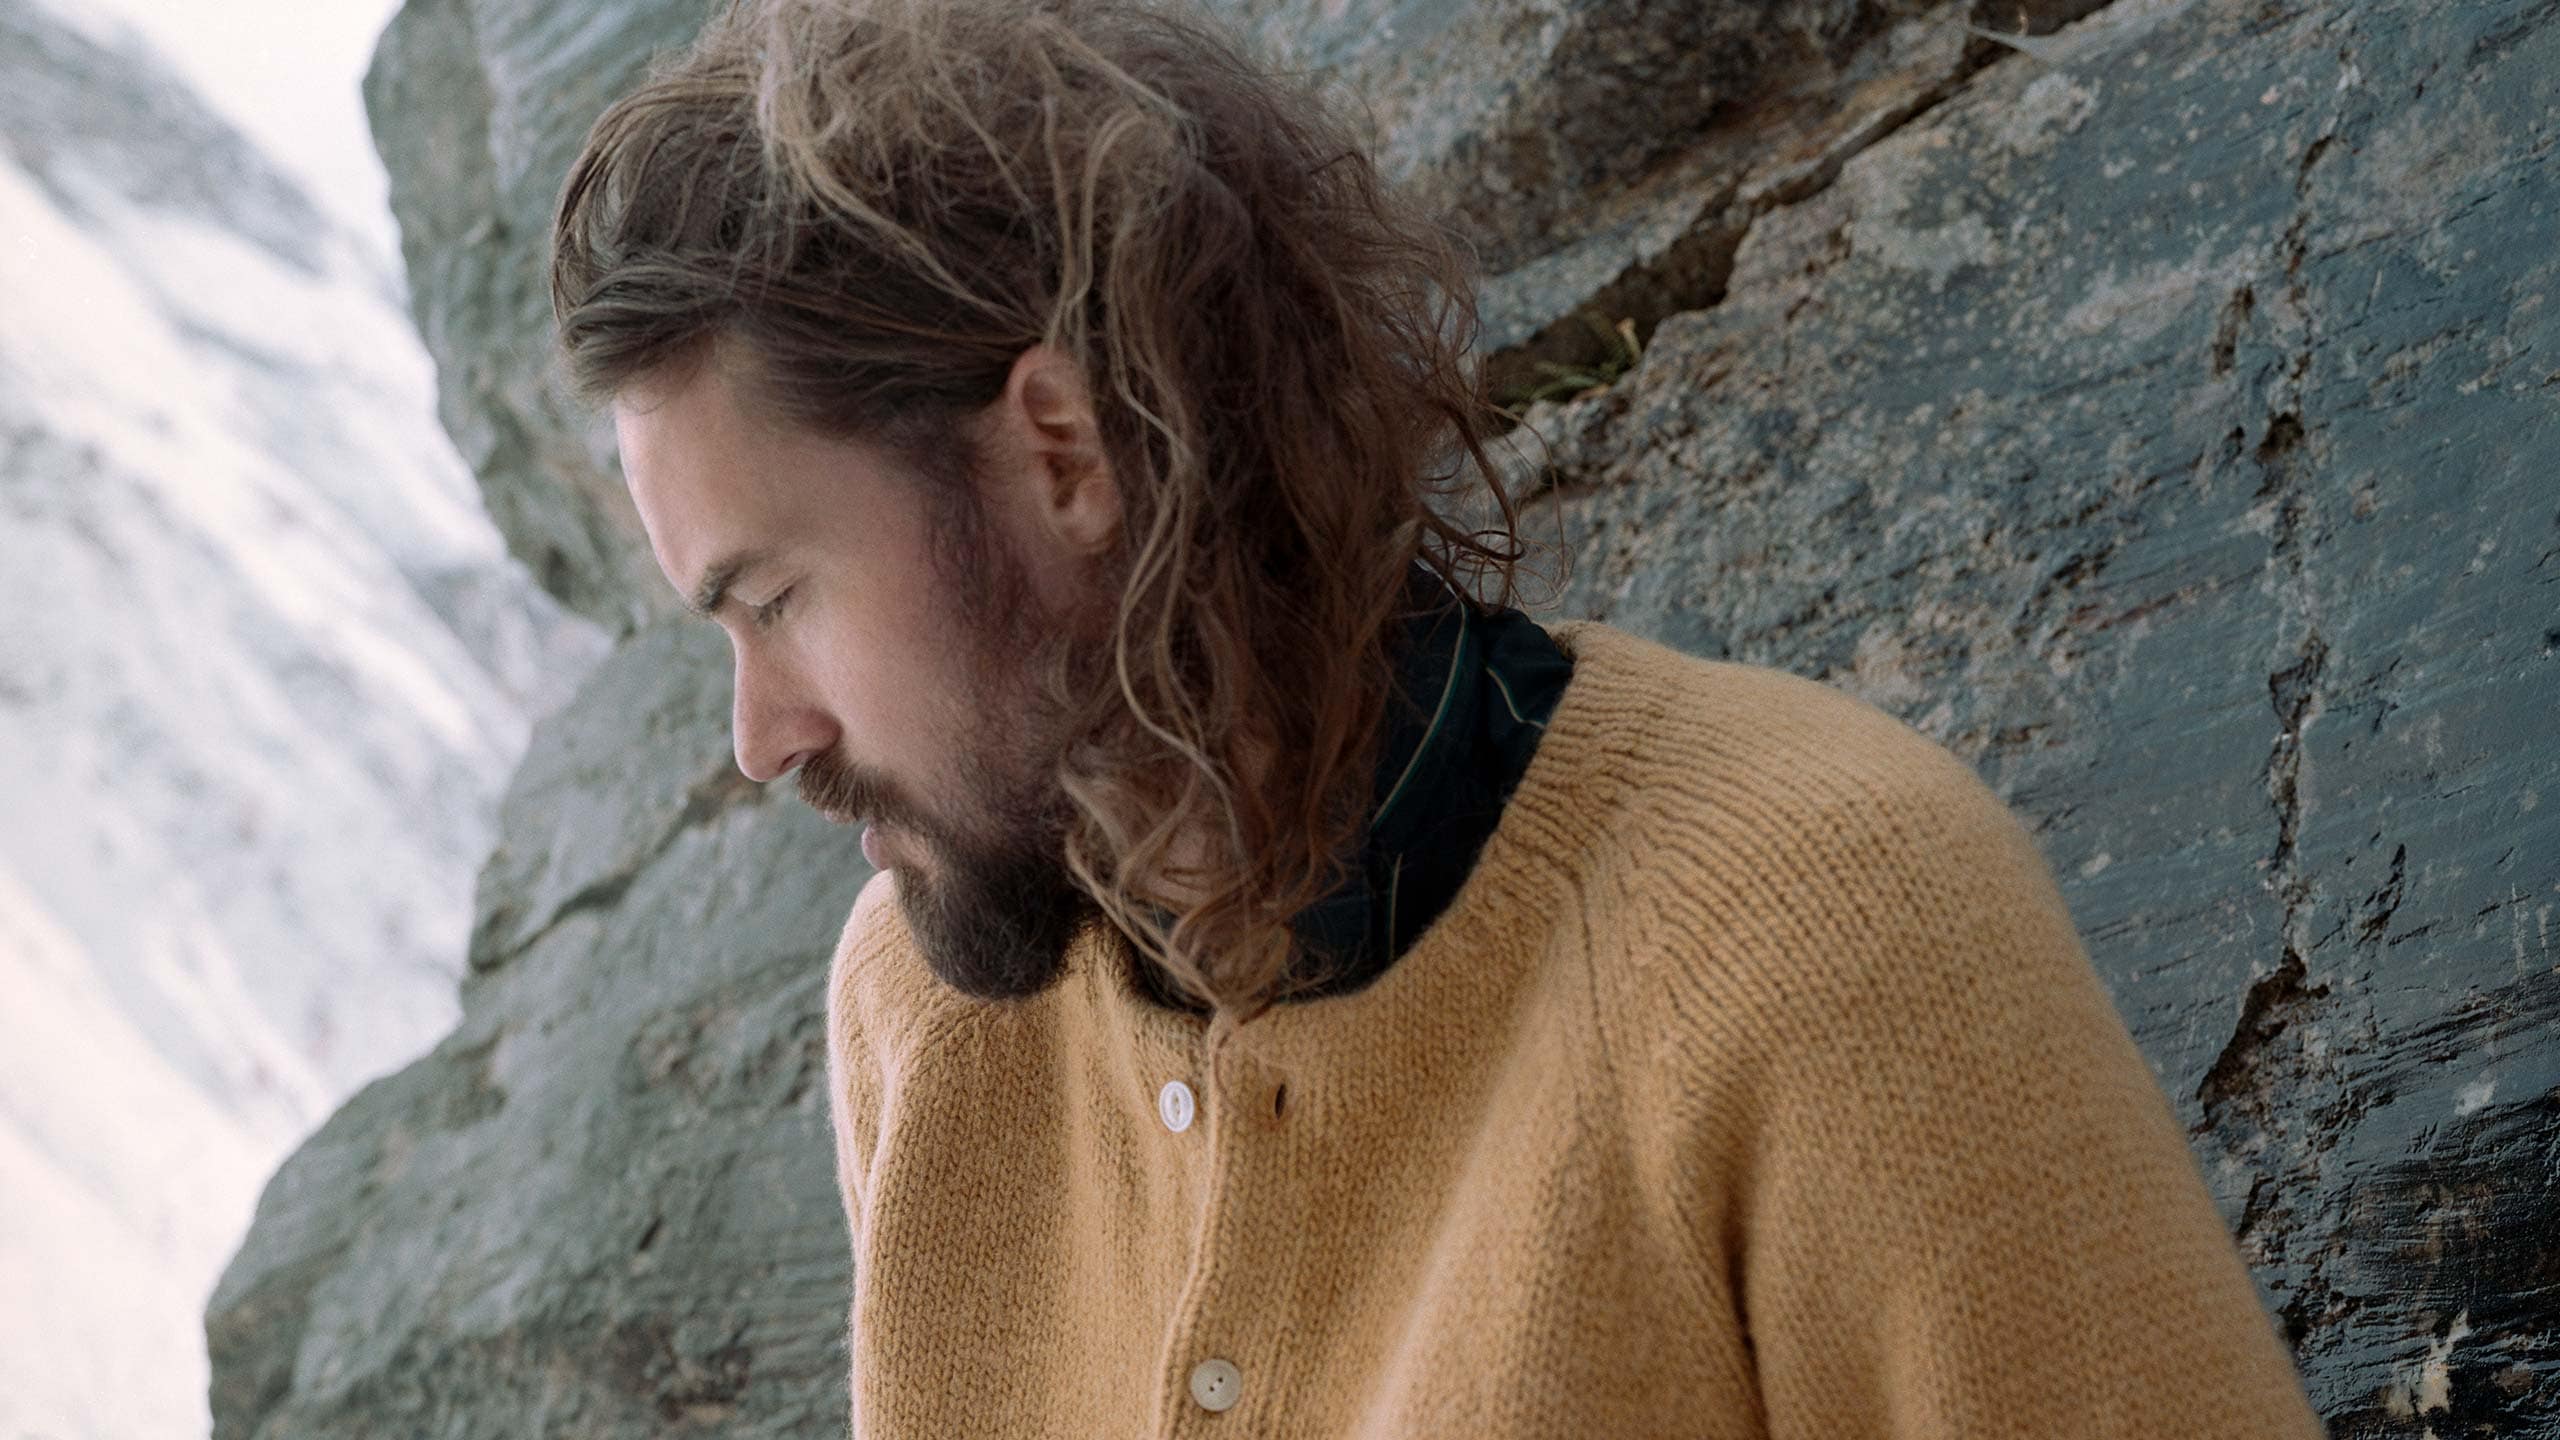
604	1205
1602	155
2172	426
478	106
2163	412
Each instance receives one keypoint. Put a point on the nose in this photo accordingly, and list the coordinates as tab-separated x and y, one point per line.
772	725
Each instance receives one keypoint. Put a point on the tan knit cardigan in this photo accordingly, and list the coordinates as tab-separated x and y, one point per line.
1755	1084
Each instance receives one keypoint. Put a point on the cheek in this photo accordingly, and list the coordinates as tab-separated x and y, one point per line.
901	698
903	672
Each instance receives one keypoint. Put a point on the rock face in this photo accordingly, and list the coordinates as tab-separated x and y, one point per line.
1602	153
478	107
2170	423
594	1210
2163	411
266	671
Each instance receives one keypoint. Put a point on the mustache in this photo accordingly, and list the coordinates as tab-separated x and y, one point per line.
837	789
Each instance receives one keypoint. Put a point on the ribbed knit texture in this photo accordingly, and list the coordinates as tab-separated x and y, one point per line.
1755	1084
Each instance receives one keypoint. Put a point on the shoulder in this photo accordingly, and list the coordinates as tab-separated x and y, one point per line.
880	994
1726	759
1746	719
870	929
1815	930
1866	1067
1785	852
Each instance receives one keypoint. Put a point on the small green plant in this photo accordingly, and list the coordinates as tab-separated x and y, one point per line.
1575	381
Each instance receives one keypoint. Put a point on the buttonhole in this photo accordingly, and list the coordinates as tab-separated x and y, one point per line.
1279	1099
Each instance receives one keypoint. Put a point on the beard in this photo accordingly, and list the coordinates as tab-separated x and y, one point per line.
986	893
986	890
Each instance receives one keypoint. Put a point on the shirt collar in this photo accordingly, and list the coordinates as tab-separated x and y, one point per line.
1471	697
1473	690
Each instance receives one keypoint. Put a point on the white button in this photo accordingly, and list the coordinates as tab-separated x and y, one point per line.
1173	1103
1216	1384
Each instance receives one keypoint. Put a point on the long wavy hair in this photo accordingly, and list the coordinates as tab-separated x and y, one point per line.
884	202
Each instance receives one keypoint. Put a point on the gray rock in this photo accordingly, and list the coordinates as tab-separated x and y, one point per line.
2172	427
1602	156
602	1206
2160	412
478	107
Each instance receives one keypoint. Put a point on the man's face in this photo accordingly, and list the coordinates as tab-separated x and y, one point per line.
884	656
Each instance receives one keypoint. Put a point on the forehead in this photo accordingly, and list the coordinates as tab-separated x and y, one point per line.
712	477
688	452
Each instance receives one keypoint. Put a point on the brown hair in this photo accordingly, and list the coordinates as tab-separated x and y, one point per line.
884	203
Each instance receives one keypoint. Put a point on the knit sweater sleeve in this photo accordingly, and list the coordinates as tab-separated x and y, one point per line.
1929	1170
853	1091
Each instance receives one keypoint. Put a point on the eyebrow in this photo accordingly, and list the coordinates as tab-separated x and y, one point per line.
713	592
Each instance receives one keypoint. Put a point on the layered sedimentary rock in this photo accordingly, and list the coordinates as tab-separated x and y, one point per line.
2158	409
1597	153
2170	423
593	1210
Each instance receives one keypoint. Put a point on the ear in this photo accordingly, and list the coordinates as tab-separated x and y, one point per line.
1048	408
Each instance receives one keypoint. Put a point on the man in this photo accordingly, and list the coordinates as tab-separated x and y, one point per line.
1298	996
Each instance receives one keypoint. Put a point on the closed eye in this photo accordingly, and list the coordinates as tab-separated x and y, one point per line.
763	616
